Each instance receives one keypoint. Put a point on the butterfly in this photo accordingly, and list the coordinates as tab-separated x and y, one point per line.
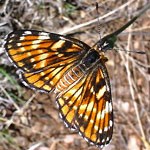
72	70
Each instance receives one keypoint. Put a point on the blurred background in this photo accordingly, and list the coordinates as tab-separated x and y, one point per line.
30	120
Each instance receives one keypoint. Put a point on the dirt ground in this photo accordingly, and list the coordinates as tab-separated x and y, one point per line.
30	120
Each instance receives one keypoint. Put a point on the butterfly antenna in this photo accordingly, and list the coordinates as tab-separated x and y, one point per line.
98	21
108	42
138	52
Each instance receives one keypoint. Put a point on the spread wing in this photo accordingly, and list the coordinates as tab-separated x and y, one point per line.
87	106
42	58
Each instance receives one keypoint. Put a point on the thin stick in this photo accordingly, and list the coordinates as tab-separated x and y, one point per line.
95	20
108	42
131	21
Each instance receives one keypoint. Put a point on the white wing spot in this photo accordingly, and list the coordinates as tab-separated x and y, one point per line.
22	49
107	107
86	117
10	41
57	45
32	59
102	114
86	139
42	73
110	123
75	107
60	115
96	127
43	33
92	90
22	38
36	41
91	121
81	115
29	54
100	131
106	128
90	106
51	82
18	44
35	46
25	83
27	32
101	92
110	107
43	37
34	65
94	109
12	35
43	63
70	102
107	139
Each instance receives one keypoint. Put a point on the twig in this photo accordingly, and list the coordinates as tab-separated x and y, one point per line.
131	87
5	92
95	20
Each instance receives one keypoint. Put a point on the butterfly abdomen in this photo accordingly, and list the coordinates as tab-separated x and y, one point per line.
76	72
72	76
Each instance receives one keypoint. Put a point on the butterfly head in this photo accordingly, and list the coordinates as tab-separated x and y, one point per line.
106	43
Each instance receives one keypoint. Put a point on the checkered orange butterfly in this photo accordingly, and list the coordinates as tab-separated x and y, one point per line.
71	69
74	71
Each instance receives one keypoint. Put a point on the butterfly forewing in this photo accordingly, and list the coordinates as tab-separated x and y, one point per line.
87	107
43	57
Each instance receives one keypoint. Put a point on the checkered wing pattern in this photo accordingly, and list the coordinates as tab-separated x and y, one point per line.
51	62
87	107
42	58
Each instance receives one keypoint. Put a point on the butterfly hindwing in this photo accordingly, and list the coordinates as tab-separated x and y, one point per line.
87	107
43	57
